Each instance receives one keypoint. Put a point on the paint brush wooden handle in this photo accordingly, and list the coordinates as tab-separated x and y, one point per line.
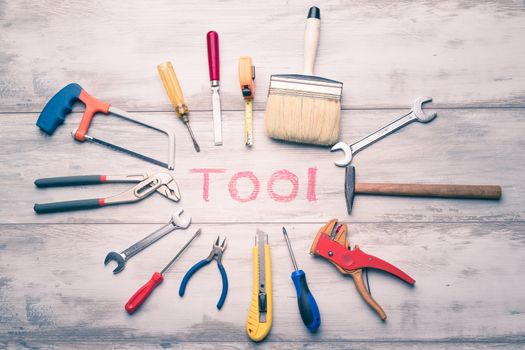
425	190
311	39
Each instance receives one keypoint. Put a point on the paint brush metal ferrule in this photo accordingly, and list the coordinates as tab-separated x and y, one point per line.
306	86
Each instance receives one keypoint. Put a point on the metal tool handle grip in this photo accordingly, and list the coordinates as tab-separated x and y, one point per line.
311	39
58	107
191	272
149	239
172	87
212	40
142	294
306	302
430	190
68	205
224	291
70	181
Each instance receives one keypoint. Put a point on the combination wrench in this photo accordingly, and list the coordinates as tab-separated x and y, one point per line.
415	114
177	222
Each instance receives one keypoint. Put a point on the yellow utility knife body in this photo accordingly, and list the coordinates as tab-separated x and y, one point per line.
260	316
246	79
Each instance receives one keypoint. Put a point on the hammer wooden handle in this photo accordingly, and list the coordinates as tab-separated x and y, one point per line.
426	190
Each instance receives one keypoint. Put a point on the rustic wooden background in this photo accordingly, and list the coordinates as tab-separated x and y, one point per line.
467	256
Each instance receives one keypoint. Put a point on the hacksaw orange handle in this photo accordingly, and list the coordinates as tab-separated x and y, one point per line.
93	106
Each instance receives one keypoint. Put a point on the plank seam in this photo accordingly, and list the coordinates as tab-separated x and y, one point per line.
518	222
442	107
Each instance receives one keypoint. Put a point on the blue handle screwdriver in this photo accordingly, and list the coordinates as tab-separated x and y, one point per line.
307	305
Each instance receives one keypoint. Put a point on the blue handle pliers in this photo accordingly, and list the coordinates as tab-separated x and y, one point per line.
216	253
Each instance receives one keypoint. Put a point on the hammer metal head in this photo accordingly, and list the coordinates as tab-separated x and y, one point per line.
349	187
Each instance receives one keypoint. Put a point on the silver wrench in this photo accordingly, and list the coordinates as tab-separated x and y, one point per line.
415	114
177	222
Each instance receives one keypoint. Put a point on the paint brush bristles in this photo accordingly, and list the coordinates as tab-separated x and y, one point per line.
305	108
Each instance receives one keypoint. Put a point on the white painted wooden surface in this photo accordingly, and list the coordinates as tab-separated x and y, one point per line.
467	256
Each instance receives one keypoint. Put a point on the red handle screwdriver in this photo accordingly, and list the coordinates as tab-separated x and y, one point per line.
142	294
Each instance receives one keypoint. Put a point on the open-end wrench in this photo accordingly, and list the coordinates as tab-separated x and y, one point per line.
177	222
415	114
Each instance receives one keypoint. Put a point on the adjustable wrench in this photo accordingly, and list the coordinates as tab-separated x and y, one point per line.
415	114
177	222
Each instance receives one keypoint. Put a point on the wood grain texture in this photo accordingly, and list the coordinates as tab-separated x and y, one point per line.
467	256
459	147
55	291
463	53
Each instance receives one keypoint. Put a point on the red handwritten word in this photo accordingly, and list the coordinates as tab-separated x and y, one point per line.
283	175
232	186
279	175
206	184
312	175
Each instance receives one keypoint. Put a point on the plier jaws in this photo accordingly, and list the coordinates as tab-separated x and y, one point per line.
160	182
217	250
215	254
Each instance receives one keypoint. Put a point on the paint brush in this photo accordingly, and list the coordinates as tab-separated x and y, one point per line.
302	107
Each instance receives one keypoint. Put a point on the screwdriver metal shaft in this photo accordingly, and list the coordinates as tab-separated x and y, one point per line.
180	252
142	294
307	305
195	144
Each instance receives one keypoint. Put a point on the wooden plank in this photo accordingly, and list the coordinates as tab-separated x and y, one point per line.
460	146
469	290
463	53
280	345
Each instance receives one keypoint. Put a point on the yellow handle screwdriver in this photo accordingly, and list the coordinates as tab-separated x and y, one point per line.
172	87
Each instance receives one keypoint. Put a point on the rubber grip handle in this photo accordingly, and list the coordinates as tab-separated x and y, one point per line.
70	181
190	273
142	294
307	304
212	39
224	286
58	107
68	205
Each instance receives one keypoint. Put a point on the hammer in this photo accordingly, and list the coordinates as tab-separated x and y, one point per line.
415	190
